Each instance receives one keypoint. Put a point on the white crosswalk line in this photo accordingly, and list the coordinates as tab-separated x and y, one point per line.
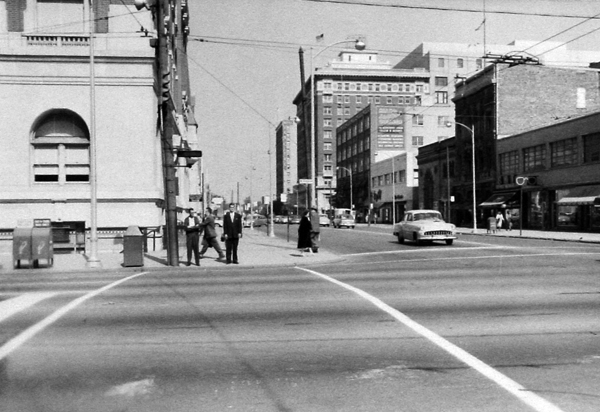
15	305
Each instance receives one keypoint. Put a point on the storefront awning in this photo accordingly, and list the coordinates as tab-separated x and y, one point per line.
597	202
498	200
583	195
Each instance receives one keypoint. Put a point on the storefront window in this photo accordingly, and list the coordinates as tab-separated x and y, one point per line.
537	210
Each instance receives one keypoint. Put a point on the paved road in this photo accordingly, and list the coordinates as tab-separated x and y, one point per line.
487	324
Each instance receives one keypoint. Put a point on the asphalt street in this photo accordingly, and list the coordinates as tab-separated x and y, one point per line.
487	324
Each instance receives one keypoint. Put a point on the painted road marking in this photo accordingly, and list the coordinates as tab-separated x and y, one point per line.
533	400
15	305
30	332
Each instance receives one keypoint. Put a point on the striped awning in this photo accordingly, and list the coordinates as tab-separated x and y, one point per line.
579	196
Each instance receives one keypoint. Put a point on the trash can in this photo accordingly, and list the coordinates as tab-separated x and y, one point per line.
22	246
42	246
133	247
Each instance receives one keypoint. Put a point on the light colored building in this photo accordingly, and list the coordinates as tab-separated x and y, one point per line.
47	110
345	87
287	161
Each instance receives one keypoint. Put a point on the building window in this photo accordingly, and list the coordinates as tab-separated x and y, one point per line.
401	176
534	158
328	170
358	87
419	88
347	111
340	121
441	62
340	98
358	100
327	134
346	99
327	85
509	166
591	148
327	146
327	98
443	121
417	141
61	149
377	87
460	63
389	100
441	81
327	122
374	182
563	152
377	100
441	97
479	64
417	120
327	110
327	157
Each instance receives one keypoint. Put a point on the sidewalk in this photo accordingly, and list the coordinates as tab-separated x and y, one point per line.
583	237
256	249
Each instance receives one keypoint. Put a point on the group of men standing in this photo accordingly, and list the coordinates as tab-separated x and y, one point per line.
232	233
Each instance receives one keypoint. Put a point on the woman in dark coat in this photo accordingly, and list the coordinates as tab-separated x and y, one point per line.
304	242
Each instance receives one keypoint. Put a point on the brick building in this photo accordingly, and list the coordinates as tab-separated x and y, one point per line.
562	162
503	100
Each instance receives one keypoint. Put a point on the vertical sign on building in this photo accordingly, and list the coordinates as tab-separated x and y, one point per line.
390	128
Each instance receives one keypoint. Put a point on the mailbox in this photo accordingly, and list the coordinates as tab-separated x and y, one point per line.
42	246
22	245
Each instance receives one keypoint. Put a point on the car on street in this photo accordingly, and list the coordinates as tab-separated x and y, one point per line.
423	225
345	220
294	220
255	221
324	220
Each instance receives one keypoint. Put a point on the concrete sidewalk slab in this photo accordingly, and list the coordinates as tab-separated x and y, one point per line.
256	249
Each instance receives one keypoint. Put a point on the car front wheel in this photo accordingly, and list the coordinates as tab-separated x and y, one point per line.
400	238
449	241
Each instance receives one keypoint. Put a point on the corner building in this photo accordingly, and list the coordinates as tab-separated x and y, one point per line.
46	105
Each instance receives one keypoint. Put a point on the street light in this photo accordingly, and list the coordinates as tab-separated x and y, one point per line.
350	173
358	45
472	130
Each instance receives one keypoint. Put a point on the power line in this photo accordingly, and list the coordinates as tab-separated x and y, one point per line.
434	8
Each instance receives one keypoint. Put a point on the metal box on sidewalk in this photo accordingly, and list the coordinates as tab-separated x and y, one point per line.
133	247
32	244
21	245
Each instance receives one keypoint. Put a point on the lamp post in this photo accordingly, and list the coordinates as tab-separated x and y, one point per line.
472	130
93	260
350	174
393	192
359	45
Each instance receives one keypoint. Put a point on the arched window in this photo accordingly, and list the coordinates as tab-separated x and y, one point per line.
61	149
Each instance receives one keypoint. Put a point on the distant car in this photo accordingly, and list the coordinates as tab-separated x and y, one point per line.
294	219
277	219
324	220
284	219
218	221
259	220
344	221
424	226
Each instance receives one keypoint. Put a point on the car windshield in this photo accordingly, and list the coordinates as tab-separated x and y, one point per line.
428	216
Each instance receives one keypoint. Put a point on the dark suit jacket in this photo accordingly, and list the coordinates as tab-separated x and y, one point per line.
209	227
232	229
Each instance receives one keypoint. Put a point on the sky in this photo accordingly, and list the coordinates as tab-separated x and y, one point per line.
245	71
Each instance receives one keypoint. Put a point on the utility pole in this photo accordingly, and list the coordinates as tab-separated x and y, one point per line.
165	104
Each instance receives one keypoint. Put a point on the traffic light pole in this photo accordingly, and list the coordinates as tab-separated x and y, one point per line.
170	181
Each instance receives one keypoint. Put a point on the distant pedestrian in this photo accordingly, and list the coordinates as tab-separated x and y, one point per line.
509	220
315	231
232	233
192	235
210	235
304	235
499	220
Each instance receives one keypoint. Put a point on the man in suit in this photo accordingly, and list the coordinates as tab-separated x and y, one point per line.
210	235
315	230
232	233
192	234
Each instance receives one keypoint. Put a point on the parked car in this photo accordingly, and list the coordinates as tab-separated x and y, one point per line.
284	219
294	219
324	220
344	221
259	220
277	218
424	225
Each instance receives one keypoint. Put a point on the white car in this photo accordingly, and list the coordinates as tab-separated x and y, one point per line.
424	225
344	221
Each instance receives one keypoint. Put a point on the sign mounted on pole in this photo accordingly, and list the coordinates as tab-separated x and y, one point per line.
305	182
